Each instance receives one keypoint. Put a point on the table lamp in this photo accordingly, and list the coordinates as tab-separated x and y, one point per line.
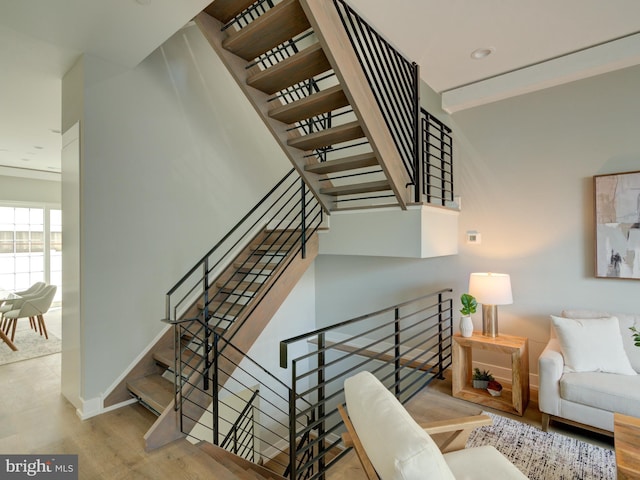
491	290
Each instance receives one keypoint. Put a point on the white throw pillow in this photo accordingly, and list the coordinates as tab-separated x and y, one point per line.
396	445
592	345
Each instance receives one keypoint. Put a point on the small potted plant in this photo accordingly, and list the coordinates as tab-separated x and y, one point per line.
636	336
469	306
481	379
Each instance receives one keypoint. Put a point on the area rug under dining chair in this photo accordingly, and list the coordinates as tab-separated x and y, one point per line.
545	455
30	345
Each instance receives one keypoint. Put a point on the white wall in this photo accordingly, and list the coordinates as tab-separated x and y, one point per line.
18	189
173	156
524	169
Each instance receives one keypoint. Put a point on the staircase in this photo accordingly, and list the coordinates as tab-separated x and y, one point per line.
291	62
298	65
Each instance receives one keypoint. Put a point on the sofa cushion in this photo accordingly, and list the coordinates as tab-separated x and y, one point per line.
592	345
396	445
626	321
606	391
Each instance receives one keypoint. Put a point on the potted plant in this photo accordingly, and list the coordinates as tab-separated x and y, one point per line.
469	306
636	336
481	379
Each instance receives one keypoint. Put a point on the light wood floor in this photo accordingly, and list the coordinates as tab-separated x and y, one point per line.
35	418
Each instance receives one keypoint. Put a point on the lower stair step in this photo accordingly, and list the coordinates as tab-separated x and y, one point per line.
190	360
357	188
237	464
154	391
262	268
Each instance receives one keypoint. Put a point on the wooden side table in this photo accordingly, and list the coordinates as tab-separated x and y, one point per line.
626	434
514	398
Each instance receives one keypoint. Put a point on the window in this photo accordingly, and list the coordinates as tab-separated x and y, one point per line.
30	247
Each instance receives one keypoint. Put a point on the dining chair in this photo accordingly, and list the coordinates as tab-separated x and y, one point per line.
32	308
33	291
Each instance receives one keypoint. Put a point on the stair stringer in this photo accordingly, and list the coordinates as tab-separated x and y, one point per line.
167	427
328	27
212	30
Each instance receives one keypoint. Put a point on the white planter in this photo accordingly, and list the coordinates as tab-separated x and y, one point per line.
466	326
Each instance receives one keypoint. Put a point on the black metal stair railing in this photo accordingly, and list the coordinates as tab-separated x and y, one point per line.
247	410
437	160
203	302
394	81
406	346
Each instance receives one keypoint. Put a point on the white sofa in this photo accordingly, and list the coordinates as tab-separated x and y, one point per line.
589	398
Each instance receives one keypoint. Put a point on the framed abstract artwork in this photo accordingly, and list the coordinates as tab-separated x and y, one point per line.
617	207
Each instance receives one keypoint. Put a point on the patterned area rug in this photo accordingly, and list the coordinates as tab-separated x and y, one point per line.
30	345
545	455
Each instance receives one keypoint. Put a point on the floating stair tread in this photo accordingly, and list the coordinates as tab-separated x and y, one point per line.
153	390
227	10
342	164
276	26
237	285
330	136
231	462
247	267
366	187
218	309
165	357
322	102
303	65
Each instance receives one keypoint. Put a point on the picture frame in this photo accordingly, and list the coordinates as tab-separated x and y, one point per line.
617	219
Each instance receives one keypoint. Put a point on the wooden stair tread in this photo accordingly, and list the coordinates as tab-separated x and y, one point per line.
330	136
165	357
264	267
276	26
322	102
365	187
340	165
234	463
303	65
153	390
219	309
226	10
235	285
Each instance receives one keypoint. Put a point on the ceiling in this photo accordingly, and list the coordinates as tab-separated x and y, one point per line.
41	39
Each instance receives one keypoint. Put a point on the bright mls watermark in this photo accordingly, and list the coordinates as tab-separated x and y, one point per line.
51	467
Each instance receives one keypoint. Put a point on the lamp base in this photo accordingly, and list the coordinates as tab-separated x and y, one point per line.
490	320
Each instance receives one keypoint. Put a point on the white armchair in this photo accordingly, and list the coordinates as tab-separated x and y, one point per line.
391	445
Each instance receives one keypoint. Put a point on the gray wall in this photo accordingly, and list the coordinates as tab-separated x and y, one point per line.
524	170
173	155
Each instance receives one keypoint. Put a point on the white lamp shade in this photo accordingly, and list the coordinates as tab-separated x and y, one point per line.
491	288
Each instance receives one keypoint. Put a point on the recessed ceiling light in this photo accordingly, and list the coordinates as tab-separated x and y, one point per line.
38	147
480	53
